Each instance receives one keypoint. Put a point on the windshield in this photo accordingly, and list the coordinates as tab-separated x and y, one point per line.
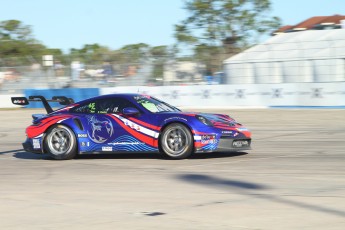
154	105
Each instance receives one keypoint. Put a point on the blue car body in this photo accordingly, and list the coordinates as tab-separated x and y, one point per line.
134	123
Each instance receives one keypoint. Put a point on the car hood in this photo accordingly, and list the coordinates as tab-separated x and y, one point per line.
227	125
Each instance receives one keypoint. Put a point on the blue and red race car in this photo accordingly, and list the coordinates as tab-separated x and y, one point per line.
128	123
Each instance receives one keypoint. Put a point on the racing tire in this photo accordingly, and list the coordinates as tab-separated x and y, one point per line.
176	141
60	143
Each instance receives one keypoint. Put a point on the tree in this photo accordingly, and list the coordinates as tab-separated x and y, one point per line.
14	30
160	55
92	54
135	52
18	46
224	26
16	40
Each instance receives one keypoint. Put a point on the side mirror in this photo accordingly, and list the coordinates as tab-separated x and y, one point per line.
130	111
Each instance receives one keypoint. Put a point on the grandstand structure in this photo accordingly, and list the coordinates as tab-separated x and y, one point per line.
308	56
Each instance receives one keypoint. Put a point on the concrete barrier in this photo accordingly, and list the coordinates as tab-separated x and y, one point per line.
246	95
5	101
215	96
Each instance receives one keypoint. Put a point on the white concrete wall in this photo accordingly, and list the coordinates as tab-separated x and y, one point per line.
5	101
245	95
229	96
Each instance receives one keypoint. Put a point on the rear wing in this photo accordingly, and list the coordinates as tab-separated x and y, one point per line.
25	101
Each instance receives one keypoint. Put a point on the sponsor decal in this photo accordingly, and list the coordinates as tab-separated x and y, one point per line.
36	143
239	144
317	93
100	129
208	139
83	144
126	143
277	93
227	132
19	101
240	93
82	135
107	148
206	94
142	96
230	133
174	94
135	126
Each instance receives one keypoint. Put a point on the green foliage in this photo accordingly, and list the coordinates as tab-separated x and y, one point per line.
223	26
17	43
159	51
14	30
92	54
160	55
135	52
213	21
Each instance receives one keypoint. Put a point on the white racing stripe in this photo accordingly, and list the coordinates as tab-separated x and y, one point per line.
41	135
61	120
137	127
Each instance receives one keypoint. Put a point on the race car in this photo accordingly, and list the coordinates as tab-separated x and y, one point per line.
128	123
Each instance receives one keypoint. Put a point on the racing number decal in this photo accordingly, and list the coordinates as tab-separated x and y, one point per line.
92	107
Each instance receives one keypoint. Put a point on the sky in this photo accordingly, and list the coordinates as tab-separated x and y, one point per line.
66	24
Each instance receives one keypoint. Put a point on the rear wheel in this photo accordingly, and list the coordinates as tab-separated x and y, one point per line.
61	143
176	141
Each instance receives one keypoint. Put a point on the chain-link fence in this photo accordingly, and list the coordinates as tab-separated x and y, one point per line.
77	74
289	58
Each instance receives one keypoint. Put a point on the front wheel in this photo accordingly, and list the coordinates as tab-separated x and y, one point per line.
177	141
60	143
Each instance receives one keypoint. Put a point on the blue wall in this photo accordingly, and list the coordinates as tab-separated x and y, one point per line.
77	94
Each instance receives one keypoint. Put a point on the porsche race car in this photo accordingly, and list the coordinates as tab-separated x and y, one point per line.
128	123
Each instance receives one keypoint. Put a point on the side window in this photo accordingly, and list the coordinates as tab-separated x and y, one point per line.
115	105
104	106
90	107
85	108
112	105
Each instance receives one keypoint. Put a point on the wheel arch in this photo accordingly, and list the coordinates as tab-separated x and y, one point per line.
174	122
51	127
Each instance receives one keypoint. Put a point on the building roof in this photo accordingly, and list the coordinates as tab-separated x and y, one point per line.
316	22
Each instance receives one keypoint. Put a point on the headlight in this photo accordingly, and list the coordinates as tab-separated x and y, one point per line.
204	120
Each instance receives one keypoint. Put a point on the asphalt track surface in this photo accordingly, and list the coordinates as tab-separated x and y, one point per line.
294	178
